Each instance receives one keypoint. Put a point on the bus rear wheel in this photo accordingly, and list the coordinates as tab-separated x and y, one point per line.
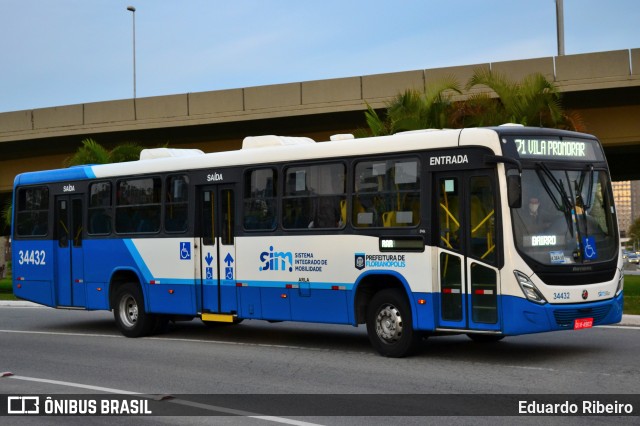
131	318
389	324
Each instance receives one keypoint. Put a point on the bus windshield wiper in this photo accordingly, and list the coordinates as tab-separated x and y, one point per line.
584	202
564	204
587	204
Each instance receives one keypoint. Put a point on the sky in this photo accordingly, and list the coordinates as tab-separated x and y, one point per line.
64	52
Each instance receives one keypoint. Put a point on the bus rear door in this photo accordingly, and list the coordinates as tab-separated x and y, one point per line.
216	250
468	280
69	282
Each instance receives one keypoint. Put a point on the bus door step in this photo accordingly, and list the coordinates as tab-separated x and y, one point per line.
218	317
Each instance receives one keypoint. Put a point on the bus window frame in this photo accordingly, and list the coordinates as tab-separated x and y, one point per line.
109	210
422	181
276	198
48	212
283	197
160	204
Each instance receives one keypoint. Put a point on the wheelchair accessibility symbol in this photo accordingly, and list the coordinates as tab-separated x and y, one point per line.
185	250
589	244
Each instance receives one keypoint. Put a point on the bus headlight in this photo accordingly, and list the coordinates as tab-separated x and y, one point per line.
529	289
620	283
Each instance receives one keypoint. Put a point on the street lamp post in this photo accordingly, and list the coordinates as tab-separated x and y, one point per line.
560	26
133	13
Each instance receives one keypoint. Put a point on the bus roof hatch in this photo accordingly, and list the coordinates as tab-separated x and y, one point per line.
272	140
155	153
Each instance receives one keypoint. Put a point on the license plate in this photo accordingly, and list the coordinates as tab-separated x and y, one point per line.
581	323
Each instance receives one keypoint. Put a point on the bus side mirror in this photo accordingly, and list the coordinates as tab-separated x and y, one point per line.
514	180
514	191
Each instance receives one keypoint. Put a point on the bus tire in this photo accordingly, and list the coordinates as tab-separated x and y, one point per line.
389	324
131	318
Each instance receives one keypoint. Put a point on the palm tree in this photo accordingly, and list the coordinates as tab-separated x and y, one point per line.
534	101
413	110
91	152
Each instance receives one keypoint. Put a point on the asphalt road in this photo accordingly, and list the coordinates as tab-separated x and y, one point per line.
55	351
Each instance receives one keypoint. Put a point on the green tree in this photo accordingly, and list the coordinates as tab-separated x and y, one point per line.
91	152
534	101
413	110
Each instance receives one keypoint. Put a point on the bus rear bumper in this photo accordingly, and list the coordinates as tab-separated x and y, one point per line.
520	316
35	291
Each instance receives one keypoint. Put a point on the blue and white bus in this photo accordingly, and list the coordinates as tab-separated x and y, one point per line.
489	232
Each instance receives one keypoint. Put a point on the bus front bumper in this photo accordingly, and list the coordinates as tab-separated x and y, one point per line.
520	316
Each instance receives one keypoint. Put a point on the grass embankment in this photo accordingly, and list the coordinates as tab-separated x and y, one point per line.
632	294
6	289
631	291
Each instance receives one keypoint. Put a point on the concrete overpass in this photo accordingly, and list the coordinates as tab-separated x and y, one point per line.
604	87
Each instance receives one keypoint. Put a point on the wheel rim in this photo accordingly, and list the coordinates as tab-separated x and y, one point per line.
128	311
389	324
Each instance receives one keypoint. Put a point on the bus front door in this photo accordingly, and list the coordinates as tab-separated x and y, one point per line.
216	251
69	283
468	280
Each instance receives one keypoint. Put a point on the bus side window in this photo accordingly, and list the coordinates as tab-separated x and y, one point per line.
387	193
449	214
32	212
76	222
227	233
100	208
208	218
482	217
297	207
331	187
260	200
314	197
138	205
62	224
176	203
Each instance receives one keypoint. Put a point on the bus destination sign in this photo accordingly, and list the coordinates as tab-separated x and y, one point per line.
556	149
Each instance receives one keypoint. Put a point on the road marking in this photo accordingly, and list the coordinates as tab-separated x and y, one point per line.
208	407
620	327
58	333
4	305
171	339
73	385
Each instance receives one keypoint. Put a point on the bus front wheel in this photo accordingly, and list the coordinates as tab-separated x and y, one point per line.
389	324
129	313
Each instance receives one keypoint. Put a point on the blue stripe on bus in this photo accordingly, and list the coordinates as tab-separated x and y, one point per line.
60	175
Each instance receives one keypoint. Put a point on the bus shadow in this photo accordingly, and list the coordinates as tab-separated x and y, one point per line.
89	327
529	350
256	332
514	350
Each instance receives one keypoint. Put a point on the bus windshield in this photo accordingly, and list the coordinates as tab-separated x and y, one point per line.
567	216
